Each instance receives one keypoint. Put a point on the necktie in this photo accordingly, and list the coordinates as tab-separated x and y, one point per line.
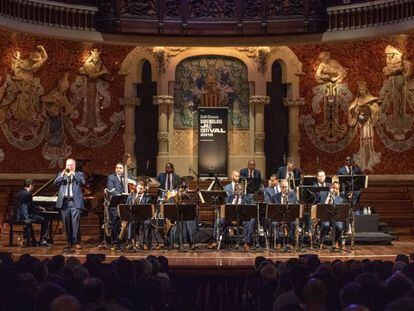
68	185
168	182
251	174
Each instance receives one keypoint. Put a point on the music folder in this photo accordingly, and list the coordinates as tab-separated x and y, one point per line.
282	212
245	211
135	212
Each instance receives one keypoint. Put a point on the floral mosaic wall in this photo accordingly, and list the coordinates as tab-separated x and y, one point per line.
59	99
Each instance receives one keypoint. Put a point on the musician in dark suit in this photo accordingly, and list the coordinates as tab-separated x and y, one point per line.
286	196
70	201
25	211
348	169
272	189
332	197
250	171
115	185
286	172
135	198
321	182
241	198
169	180
229	188
186	230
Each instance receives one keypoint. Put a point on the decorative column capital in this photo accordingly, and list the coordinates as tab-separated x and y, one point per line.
160	100
260	137
130	101
162	136
293	102
257	100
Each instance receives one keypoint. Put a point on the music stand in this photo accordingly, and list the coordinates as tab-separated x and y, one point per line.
215	198
134	214
350	183
353	183
282	213
240	213
185	212
308	193
311	180
253	184
332	213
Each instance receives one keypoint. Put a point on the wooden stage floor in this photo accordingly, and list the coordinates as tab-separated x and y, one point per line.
203	259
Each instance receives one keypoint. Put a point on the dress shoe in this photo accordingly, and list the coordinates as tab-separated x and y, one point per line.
145	247
246	247
212	245
44	243
158	247
77	246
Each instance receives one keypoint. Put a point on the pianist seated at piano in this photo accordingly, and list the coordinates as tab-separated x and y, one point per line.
26	211
116	185
138	197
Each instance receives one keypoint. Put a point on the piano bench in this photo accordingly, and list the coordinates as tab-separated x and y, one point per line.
27	225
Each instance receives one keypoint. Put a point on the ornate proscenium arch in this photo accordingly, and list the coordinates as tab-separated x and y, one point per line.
164	61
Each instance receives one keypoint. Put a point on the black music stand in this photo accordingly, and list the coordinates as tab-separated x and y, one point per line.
185	212
282	213
350	183
332	213
308	194
311	180
215	198
253	184
135	214
240	213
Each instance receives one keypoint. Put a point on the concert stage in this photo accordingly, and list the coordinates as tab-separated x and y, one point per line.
203	261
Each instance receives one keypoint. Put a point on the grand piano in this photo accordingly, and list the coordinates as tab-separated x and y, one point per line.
93	195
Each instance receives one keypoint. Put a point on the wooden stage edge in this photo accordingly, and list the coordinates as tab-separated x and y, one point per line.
193	262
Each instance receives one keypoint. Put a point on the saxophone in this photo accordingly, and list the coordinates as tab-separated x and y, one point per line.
107	222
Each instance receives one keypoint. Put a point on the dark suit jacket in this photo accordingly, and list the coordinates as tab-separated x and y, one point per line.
113	183
78	182
245	173
291	198
24	205
229	189
281	173
269	193
131	198
245	199
321	195
175	180
321	198
342	170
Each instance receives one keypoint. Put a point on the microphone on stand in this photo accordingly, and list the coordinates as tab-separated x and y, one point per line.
189	169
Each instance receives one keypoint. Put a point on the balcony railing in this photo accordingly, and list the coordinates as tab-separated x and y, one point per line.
50	13
369	14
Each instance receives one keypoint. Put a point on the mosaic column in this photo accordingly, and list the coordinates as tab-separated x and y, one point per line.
257	104
129	104
294	136
165	106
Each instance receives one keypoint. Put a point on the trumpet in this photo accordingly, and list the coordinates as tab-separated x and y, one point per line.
67	172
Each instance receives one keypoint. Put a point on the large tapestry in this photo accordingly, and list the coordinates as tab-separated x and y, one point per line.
211	81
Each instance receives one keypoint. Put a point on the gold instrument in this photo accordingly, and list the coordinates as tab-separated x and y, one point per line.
106	225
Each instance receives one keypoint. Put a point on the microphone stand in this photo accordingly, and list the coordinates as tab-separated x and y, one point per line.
352	220
190	169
